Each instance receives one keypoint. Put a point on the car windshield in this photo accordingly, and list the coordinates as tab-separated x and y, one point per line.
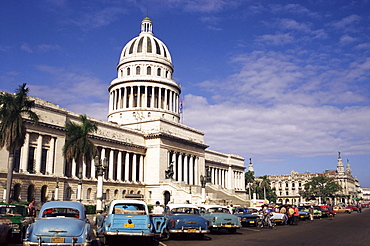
123	208
61	212
12	210
184	210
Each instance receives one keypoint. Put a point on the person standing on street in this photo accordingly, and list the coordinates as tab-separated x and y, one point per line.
310	211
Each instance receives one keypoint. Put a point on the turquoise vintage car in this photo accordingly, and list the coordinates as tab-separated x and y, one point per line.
219	218
60	223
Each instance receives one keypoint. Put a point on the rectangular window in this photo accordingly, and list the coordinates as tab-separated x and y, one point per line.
43	160
17	160
31	160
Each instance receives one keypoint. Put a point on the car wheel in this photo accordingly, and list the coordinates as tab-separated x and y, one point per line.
165	234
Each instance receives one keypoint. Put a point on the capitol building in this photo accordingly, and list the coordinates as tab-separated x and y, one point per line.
148	153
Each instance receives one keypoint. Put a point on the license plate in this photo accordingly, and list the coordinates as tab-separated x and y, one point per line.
127	225
251	222
192	230
57	239
227	225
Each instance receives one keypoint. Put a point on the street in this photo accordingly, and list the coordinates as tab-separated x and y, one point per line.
344	229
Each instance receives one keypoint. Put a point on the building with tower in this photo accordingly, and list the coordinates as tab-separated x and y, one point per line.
147	152
288	187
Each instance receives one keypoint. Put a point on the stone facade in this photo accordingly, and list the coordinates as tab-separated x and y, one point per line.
288	186
141	141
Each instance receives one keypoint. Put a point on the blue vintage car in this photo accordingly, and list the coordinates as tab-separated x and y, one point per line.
185	219
219	218
249	218
129	220
60	223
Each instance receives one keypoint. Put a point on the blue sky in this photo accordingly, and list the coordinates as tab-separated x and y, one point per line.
285	83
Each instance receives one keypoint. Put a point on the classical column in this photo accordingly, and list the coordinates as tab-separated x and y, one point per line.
138	99
102	157
92	169
191	170
110	100
134	162
141	168
180	167
159	97
165	99
174	160
127	166
186	171
73	173
196	171
152	99
124	97
145	97
131	96
50	162
111	165
119	166
230	178
25	152
38	154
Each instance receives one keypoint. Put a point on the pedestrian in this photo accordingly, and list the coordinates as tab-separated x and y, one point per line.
31	208
290	212
295	215
283	211
158	209
310	211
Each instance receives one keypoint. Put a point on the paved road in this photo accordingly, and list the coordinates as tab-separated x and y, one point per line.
344	229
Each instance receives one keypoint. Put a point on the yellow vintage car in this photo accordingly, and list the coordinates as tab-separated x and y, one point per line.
341	209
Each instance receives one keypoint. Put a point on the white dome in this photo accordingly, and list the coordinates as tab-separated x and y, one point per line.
145	46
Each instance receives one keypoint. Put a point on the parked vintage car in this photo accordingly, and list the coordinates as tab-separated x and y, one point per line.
249	218
185	219
316	213
20	220
5	230
324	210
341	209
219	218
130	220
60	223
303	215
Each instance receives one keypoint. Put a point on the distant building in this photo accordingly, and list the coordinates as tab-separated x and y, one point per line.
149	154
288	187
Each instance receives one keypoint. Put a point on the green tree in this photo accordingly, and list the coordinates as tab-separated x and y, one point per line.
78	145
264	184
320	186
14	108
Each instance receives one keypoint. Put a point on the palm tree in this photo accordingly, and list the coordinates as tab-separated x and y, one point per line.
78	146
265	184
249	179
13	107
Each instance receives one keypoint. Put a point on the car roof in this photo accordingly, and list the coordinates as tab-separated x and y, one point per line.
171	206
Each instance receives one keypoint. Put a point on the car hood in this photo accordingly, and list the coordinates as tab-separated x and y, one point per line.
58	226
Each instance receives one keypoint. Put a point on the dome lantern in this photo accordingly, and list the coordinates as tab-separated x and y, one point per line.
146	25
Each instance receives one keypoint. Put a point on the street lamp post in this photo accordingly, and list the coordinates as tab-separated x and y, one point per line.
100	167
203	181
56	195
79	190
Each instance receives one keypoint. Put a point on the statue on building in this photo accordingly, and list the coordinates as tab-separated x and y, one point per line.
208	174
169	172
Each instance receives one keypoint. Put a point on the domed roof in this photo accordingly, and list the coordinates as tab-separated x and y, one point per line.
145	46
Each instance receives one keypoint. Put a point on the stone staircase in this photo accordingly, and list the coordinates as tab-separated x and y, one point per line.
218	195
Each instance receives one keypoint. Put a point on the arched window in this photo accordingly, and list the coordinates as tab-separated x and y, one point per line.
115	194
44	192
30	192
158	72
128	71
148	70
68	193
138	70
123	194
121	73
17	193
